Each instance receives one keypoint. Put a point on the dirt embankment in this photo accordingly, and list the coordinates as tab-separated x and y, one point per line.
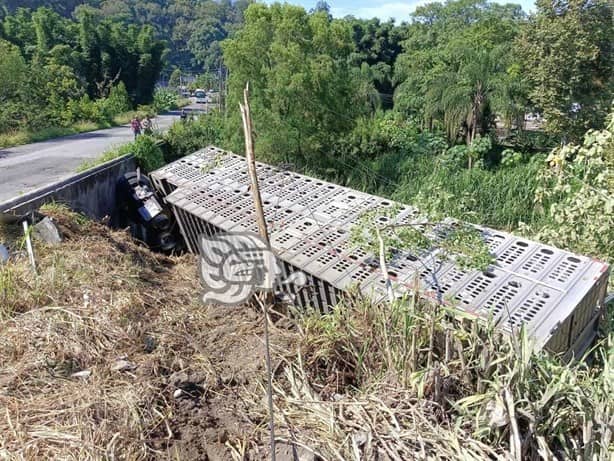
109	354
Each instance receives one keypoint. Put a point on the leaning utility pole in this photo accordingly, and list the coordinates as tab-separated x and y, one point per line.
264	233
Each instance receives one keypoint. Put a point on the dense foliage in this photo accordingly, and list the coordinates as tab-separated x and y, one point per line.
577	193
192	29
456	70
58	71
378	44
432	111
456	140
304	90
567	54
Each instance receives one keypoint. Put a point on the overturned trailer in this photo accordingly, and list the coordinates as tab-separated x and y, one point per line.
556	294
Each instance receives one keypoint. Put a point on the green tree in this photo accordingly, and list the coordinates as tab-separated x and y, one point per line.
456	69
60	86
377	46
151	60
13	74
118	101
175	79
91	53
205	80
304	91
577	194
12	71
193	29
462	95
49	61
18	29
567	49
205	40
64	7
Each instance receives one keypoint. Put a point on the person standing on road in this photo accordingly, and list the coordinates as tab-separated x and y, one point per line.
184	116
135	124
147	125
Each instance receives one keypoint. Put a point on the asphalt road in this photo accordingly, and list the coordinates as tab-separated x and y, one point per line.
32	166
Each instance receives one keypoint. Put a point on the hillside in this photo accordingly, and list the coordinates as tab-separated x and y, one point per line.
192	29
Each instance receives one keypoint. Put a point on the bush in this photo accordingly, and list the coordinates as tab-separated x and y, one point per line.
533	141
455	157
386	134
145	149
165	99
477	151
85	109
510	158
118	101
576	191
147	153
183	138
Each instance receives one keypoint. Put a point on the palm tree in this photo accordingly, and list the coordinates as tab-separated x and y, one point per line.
462	94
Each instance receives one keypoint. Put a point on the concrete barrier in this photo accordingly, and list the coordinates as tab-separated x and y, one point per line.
91	192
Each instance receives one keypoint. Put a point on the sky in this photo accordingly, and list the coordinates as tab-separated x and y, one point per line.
383	9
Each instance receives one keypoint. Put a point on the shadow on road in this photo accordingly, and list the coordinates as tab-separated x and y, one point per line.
189	110
88	135
99	134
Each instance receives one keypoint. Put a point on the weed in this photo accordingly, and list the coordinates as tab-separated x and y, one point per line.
413	381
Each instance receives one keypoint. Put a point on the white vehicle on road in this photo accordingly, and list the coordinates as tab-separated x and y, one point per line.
201	96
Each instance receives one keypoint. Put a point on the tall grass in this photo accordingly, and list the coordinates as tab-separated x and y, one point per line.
27	136
496	196
17	138
414	382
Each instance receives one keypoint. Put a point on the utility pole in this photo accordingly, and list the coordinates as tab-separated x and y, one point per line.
264	233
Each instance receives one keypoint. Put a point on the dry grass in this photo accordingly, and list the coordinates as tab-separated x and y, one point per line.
86	308
408	382
20	137
362	383
100	298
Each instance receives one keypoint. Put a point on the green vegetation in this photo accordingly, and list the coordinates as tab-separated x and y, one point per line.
455	141
17	138
165	99
192	29
304	90
565	51
456	69
393	157
182	138
577	193
432	113
146	150
61	73
447	390
188	137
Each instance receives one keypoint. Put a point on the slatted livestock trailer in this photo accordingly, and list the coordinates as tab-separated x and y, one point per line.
556	294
